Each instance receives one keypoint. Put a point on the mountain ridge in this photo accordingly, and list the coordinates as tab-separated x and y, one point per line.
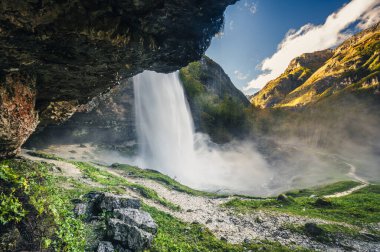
354	64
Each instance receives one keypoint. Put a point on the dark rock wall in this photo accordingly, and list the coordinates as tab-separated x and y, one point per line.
18	117
78	49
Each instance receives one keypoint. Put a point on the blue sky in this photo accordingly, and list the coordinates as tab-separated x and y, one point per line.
254	29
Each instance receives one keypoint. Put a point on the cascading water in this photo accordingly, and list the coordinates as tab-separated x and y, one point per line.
168	143
164	124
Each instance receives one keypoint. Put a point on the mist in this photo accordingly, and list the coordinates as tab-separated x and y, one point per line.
295	149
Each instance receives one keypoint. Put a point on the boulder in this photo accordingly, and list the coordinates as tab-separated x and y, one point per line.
128	236
110	202
137	218
105	246
125	227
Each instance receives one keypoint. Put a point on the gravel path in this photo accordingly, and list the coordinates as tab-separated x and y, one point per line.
223	222
352	174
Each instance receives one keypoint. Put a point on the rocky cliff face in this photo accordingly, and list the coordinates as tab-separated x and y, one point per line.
67	52
353	66
217	109
108	119
298	71
217	106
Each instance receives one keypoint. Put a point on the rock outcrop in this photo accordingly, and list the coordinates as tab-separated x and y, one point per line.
18	117
217	106
67	52
127	228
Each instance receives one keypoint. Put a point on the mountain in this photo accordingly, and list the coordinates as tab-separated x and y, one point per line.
298	71
352	66
217	106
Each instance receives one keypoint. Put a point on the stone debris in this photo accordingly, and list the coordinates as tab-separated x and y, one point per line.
127	227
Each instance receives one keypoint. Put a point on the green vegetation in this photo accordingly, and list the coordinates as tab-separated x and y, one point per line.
358	208
165	180
44	155
31	200
113	183
176	236
218	111
328	233
324	190
116	183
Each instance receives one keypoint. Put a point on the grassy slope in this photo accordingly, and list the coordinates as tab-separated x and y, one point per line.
359	208
173	234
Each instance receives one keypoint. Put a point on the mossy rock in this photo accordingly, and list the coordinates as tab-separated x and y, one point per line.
323	202
313	229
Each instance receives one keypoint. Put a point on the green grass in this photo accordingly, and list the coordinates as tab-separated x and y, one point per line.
116	183
359	208
162	179
330	233
44	155
37	206
176	236
324	190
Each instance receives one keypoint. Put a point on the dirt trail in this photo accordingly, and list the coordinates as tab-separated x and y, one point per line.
352	174
236	227
223	222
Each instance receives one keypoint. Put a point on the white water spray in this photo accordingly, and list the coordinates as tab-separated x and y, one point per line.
168	143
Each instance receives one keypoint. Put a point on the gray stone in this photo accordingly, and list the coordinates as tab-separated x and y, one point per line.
137	218
128	236
109	202
105	246
80	209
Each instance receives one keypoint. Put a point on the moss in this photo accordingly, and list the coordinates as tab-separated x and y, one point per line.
116	183
36	207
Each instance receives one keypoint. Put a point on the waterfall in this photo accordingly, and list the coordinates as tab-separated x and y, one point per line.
164	124
168	143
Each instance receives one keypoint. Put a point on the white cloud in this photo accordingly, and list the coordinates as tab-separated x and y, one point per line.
251	6
370	18
231	25
240	75
311	38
